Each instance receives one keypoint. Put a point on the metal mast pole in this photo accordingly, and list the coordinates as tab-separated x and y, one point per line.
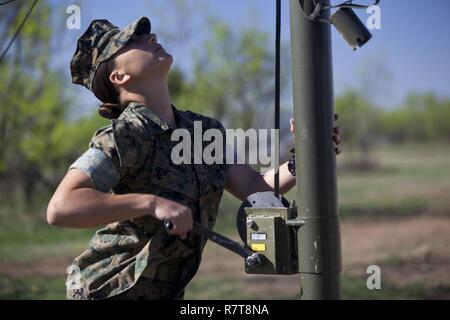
319	240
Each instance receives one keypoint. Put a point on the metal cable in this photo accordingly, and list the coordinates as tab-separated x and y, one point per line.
6	2
17	31
277	94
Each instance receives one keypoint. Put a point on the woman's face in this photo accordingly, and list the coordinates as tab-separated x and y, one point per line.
143	58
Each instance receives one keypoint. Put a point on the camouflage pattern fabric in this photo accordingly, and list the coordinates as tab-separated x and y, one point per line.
99	167
100	42
136	257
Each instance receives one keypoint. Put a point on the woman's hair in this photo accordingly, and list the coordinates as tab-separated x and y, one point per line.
104	90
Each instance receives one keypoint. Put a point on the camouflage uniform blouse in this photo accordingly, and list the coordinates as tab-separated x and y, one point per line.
138	147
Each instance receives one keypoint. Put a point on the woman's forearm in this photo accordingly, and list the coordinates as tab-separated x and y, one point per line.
267	181
88	208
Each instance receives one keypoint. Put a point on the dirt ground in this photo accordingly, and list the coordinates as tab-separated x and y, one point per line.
408	250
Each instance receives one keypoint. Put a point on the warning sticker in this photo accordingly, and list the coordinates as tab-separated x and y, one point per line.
258	246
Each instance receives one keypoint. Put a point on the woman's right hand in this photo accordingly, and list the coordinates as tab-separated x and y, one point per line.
179	215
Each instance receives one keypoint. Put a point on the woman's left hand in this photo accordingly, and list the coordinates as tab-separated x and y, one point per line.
336	134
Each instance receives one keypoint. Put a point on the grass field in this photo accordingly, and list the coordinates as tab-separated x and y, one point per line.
396	216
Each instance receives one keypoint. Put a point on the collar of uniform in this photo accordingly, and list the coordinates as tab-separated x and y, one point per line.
146	112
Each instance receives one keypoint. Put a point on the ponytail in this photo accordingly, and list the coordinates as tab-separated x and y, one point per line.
110	110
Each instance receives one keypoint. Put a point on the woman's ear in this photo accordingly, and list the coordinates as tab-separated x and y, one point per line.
119	78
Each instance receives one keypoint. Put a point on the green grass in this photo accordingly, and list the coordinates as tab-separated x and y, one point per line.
213	288
42	241
406	180
352	288
43	288
35	288
355	288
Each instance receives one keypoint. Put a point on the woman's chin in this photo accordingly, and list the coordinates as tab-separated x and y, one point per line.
166	60
166	55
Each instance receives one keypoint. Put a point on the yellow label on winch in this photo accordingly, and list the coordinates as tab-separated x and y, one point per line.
258	246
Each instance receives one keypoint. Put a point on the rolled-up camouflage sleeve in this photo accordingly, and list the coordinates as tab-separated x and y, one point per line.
110	155
99	167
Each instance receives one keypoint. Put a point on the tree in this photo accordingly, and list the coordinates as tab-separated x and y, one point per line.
37	140
360	122
233	76
422	117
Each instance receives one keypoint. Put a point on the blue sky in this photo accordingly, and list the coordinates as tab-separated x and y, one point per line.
409	53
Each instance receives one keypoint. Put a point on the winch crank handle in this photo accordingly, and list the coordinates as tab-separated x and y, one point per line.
251	258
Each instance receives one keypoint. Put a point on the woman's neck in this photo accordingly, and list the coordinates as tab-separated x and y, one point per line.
155	96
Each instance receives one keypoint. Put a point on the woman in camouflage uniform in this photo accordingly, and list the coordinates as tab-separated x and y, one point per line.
126	182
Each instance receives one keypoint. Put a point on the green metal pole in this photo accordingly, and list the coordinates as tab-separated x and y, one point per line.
319	240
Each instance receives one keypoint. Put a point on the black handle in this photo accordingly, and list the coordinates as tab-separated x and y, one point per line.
252	258
168	225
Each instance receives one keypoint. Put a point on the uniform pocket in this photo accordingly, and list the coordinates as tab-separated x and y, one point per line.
164	248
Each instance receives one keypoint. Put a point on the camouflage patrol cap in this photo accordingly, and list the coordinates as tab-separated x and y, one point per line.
100	42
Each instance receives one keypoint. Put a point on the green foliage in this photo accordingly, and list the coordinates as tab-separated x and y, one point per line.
32	103
38	140
67	141
357	117
422	117
233	76
360	123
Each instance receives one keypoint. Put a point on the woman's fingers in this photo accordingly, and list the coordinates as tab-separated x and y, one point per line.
337	136
337	139
336	133
337	150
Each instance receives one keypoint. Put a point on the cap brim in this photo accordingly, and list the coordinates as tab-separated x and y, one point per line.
121	38
140	26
